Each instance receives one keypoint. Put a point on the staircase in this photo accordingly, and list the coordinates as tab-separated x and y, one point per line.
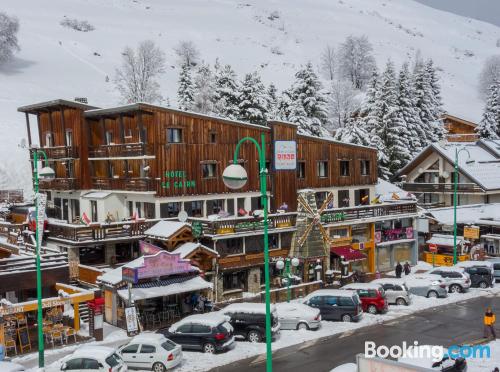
84	312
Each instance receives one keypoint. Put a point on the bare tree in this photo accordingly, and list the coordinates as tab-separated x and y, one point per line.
342	102
356	62
188	53
489	74
136	79
9	26
328	62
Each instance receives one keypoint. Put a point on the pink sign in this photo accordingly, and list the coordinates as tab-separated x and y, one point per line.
378	236
161	264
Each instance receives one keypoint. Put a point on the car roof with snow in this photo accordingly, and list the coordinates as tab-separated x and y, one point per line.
362	286
488	263
247	307
148	336
389	281
208	319
448	268
94	351
288	308
329	292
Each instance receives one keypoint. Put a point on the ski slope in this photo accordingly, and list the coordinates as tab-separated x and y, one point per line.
58	62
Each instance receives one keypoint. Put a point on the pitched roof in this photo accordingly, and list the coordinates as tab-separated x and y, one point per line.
187	248
165	229
41	106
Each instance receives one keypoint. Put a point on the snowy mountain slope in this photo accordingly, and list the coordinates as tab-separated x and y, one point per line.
60	62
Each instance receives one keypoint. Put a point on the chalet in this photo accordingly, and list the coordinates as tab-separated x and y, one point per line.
458	129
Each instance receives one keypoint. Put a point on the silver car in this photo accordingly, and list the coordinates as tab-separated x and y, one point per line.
496	268
396	291
427	287
457	280
295	316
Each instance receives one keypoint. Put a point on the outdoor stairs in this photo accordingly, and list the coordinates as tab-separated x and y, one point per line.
84	312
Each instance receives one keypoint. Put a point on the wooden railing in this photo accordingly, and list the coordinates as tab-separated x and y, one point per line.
440	187
234	225
11	196
60	184
330	216
98	231
88	274
121	150
128	184
12	231
58	152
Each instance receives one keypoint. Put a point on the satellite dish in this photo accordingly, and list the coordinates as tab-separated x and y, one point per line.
182	216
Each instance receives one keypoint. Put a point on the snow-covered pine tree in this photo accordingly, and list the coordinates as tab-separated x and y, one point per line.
253	100
226	94
437	102
284	105
203	90
272	102
352	132
407	114
371	94
308	106
185	91
489	126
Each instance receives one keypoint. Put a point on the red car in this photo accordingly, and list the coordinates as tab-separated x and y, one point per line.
372	296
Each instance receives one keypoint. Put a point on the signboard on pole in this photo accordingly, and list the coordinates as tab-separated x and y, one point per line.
433	248
131	319
41	200
471	232
285	155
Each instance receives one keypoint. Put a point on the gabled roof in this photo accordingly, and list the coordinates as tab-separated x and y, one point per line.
56	103
460	120
187	248
165	229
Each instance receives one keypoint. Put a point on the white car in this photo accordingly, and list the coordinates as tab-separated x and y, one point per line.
151	351
294	315
455	278
94	358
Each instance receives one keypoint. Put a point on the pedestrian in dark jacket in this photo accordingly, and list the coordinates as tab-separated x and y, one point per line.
407	268
489	324
399	270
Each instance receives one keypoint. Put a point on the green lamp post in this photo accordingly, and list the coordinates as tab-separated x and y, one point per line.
455	187
235	177
285	264
44	173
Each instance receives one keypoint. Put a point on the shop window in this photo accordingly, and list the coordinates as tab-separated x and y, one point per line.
359	234
92	255
215	206
209	170
322	171
174	135
123	252
194	208
362	197
301	169
364	167
226	247
168	210
344	168
254	244
234	280
339	233
343	198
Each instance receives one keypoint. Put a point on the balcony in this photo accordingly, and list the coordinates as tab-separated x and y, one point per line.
126	184
242	225
58	152
122	150
78	234
441	187
60	184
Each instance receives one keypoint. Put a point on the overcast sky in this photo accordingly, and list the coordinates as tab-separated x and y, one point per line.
484	10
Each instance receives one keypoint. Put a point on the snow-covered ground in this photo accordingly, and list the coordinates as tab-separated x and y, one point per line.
58	62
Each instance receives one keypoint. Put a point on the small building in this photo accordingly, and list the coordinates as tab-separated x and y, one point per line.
443	256
458	129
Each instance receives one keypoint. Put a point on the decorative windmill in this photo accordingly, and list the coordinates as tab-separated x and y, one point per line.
311	240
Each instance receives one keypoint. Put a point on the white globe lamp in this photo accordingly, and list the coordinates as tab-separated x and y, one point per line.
280	264
295	262
234	176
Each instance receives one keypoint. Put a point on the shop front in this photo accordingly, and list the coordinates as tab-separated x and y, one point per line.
395	241
440	252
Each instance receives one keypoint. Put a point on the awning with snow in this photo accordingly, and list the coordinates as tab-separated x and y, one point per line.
167	287
348	253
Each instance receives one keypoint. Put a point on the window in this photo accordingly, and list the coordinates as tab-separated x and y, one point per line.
93	210
149	210
256	203
111	170
212	137
344	168
174	135
209	170
130	208
194	208
70	169
339	233
254	244
200	328
227	247
365	167
215	206
362	197
234	280
315	301
147	349
109	137
69	137
168	210
398	288
113	360
186	328
168	345
322	169
345	301
330	300
301	169
90	364
230	206
286	240
73	364
343	198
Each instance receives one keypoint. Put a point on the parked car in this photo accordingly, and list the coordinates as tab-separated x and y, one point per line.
372	296
430	286
152	351
209	332
295	315
481	276
249	320
455	278
336	304
396	290
94	358
496	268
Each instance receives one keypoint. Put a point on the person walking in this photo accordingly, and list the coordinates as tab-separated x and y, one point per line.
407	268
399	270
489	324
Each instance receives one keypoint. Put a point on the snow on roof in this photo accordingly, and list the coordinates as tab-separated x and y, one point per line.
465	264
389	281
391	193
362	286
187	248
148	336
165	229
247	307
210	319
295	309
448	240
97	195
467	214
327	292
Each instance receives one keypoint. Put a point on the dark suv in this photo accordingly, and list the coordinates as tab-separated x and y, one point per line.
206	332
480	276
249	320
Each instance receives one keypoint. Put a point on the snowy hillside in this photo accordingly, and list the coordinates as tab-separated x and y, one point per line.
58	62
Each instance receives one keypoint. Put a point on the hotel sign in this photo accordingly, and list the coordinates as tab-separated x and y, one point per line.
177	179
285	155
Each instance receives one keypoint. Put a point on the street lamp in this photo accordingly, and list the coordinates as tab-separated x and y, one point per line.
44	173
280	265
235	177
455	186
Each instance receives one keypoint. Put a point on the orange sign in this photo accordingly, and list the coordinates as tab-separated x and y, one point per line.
471	232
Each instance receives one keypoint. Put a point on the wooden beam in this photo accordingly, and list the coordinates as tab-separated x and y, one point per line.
103	127
28	128
122	129
63	127
39	130
141	128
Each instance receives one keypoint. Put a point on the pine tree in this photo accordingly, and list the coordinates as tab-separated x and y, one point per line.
284	105
371	93
272	102
226	94
489	126
203	90
253	100
185	91
352	132
437	102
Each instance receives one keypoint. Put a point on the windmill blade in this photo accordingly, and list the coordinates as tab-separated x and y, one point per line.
303	238
327	201
324	233
304	205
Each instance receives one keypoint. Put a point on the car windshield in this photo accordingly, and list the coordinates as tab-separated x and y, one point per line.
113	360
168	345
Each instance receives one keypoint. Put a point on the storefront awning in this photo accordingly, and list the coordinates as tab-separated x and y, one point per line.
348	253
164	288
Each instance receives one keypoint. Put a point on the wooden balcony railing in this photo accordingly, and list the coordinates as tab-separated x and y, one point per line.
60	184
128	184
11	196
330	216
59	152
98	231
440	187
232	225
121	150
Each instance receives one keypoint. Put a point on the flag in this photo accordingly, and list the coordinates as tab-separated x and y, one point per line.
135	216
85	219
376	200
395	196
